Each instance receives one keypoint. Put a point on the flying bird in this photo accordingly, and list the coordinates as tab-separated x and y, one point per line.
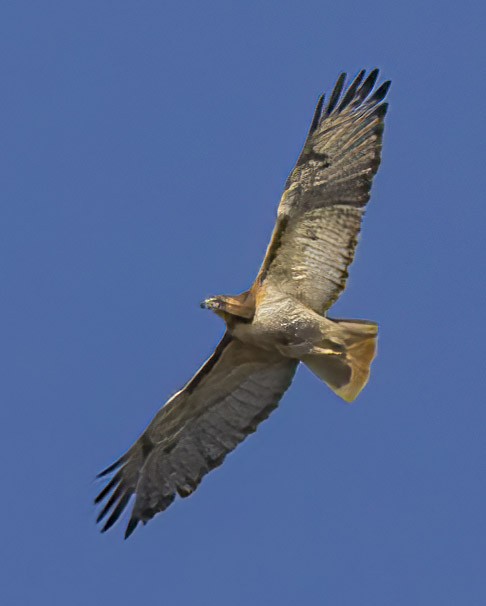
279	322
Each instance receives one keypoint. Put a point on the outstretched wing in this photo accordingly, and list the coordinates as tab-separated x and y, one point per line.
319	216
230	395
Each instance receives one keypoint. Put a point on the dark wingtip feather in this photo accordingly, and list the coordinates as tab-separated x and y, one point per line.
336	93
317	114
380	92
381	110
368	84
374	73
106	490
351	92
357	92
109	504
116	512
112	467
132	524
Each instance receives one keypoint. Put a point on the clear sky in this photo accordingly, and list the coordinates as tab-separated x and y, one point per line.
144	150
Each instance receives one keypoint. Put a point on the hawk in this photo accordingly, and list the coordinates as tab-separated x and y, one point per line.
279	322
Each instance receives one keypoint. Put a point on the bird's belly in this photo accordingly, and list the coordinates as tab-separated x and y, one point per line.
281	323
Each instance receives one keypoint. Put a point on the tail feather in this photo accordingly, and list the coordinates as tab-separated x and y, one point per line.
346	370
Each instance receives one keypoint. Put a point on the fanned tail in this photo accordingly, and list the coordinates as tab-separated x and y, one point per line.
346	369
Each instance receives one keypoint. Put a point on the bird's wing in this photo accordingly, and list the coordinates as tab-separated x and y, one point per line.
229	396
319	216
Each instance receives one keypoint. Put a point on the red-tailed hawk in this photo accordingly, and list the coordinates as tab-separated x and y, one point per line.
280	321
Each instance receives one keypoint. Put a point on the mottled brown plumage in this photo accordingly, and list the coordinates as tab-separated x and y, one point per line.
280	321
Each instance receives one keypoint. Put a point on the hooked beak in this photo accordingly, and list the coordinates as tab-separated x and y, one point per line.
211	303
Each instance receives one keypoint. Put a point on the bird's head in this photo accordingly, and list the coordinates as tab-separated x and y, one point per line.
226	307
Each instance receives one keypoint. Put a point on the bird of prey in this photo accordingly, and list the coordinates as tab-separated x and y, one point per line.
279	322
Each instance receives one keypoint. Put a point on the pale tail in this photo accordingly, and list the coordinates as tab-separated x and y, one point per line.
346	370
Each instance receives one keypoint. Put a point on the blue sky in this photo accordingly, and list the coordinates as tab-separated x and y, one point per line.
144	150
